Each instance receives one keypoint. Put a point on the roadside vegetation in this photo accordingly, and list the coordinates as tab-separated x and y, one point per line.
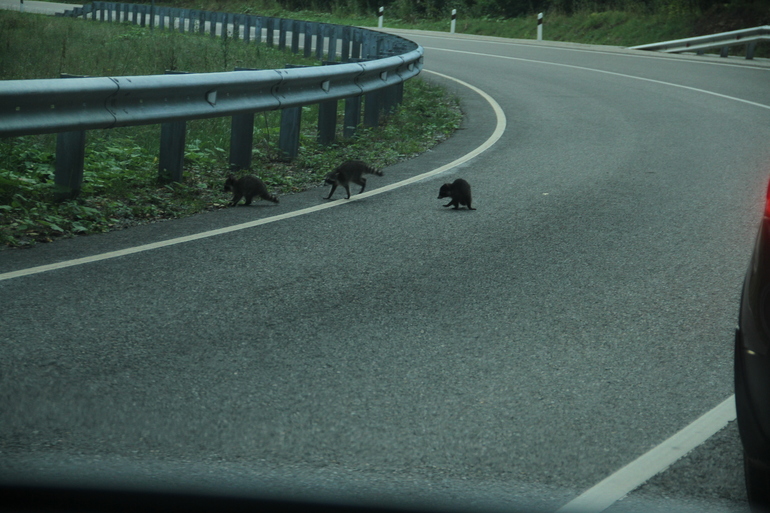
612	22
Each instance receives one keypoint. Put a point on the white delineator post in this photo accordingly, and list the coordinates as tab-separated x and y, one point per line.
454	21
380	13
540	27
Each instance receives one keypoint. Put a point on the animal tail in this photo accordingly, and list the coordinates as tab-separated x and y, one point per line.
373	171
272	198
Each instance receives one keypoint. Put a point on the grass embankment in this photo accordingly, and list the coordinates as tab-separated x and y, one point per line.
626	23
121	187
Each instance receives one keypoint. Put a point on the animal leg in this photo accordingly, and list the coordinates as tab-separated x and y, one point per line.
334	188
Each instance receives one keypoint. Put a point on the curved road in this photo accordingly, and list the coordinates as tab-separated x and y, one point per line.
390	349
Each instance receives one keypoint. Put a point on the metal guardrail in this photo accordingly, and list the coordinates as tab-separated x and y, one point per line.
60	105
722	41
375	66
56	105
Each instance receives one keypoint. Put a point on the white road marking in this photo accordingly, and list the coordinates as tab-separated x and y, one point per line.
623	75
499	129
636	473
585	48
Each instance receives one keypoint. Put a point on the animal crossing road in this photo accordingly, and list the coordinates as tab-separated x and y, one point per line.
390	348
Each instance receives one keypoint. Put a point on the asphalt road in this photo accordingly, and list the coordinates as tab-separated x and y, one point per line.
390	349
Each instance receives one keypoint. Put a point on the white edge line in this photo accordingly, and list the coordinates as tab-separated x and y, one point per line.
499	130
603	49
636	473
623	75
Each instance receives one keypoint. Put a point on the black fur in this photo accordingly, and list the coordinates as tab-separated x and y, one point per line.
248	187
350	171
459	191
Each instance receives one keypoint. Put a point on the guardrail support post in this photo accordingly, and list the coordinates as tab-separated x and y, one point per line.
171	159
282	29
750	50
308	40
70	156
288	140
270	25
320	41
172	139
295	30
327	122
241	138
372	107
392	97
291	120
352	116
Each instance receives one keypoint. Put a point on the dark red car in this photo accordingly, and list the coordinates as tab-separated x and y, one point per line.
752	369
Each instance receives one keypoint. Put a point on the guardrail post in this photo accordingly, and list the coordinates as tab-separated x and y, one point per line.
288	140
392	96
236	21
270	25
241	138
356	43
70	158
295	30
202	22
172	139
282	29
352	116
750	48
246	28
319	41
372	107
171	159
345	50
327	122
332	53
327	119
291	119
307	44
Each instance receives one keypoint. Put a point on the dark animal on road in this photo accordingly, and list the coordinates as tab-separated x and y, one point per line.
459	191
248	187
350	171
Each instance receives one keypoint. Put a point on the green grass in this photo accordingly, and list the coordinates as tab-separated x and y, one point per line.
121	186
629	27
